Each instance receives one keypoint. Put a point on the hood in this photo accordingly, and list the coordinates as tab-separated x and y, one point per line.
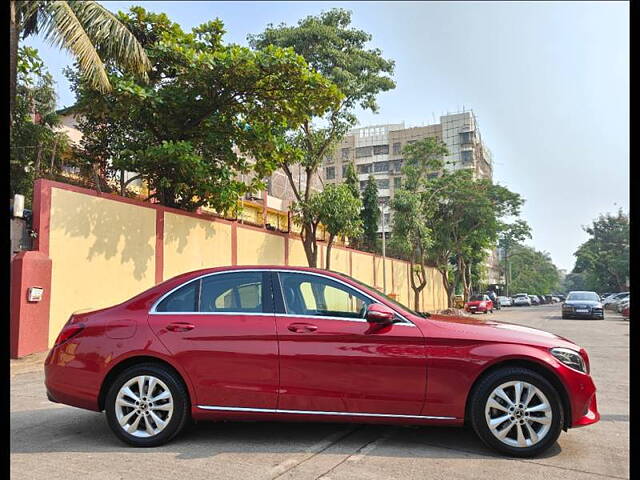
474	328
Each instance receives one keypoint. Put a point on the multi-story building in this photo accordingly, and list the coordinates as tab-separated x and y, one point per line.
377	150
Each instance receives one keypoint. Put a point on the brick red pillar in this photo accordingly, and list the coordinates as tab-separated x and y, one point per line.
29	320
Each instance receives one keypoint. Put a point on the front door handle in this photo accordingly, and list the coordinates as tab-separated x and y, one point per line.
302	327
180	327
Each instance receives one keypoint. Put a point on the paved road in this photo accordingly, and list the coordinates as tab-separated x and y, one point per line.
53	441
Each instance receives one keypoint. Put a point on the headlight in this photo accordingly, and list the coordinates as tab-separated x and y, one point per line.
483	304
570	358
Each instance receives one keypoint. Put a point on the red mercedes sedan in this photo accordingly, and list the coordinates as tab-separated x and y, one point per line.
289	343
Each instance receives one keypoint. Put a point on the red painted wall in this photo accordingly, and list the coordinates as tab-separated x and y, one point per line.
29	331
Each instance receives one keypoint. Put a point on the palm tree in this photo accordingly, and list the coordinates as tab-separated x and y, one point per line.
85	28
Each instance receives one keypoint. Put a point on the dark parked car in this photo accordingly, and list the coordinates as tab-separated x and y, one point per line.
583	305
294	343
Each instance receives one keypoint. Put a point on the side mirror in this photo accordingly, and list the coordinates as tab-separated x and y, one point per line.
380	314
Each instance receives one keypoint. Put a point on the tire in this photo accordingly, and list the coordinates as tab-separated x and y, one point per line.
165	381
543	393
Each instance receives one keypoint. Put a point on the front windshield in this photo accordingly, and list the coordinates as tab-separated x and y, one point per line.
476	298
587	296
386	297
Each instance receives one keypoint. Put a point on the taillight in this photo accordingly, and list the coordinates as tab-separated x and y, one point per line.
68	331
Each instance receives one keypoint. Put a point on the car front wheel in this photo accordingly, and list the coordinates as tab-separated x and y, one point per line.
517	412
147	405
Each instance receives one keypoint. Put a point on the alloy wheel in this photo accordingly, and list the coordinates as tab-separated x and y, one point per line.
144	406
518	414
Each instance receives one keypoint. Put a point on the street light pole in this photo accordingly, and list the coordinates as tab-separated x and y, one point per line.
384	253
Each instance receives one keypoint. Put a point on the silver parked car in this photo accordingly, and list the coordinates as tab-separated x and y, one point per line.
505	301
611	302
521	299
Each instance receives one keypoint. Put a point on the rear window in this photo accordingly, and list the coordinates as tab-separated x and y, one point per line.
182	300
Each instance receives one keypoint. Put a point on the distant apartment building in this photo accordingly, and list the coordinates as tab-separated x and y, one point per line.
377	150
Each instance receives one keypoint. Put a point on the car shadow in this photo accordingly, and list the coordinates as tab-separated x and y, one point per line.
65	429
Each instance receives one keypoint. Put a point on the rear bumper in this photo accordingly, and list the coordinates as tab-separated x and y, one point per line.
70	382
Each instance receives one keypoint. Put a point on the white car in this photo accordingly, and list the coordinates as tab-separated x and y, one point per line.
622	304
521	299
611	302
505	301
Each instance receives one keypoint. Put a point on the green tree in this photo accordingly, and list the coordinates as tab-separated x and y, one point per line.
337	51
466	222
604	258
532	271
575	281
86	29
508	238
339	214
370	216
413	206
351	180
336	209
208	113
36	148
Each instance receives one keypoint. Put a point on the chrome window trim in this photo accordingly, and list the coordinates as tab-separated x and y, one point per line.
320	412
152	311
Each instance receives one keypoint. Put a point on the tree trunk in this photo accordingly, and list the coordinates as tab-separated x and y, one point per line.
328	260
416	287
448	287
13	59
310	245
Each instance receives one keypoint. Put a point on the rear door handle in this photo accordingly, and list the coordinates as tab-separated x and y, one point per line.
302	327
180	327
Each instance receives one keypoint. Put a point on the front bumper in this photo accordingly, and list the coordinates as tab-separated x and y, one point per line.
476	309
583	313
581	395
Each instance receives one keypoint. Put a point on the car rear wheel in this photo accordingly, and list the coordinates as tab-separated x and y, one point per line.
517	412
147	405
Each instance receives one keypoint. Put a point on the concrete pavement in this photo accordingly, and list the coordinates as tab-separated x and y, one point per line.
54	441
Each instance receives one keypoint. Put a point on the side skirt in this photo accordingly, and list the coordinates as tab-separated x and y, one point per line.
237	412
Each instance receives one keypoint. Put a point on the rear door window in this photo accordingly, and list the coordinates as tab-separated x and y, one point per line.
237	292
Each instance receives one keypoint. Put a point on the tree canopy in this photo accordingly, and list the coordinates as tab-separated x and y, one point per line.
370	216
413	208
468	216
90	32
339	52
209	112
532	271
603	260
36	148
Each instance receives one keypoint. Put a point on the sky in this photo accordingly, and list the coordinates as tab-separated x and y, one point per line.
547	81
